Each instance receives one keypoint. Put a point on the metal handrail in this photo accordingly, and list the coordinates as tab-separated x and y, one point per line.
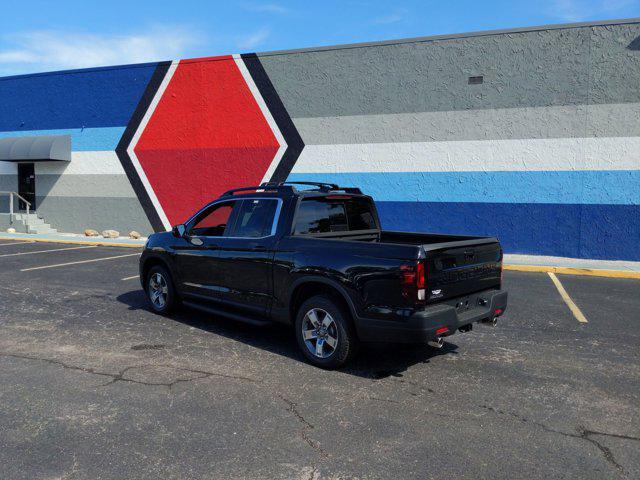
11	214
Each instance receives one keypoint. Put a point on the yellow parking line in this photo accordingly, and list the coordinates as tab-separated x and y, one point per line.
45	251
130	278
567	299
81	261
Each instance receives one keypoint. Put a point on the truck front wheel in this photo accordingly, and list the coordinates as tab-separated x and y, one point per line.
160	290
324	333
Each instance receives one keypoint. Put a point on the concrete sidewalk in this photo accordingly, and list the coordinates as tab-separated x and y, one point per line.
527	263
515	259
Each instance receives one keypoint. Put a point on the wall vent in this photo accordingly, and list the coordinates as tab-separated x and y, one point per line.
478	80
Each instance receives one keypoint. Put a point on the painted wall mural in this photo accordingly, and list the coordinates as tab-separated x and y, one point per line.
544	153
228	128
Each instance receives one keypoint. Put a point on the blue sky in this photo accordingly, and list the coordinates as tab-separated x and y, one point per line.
45	35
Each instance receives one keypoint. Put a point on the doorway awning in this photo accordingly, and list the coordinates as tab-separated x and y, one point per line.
36	148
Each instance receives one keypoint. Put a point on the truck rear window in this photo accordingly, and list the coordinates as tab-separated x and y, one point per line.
324	215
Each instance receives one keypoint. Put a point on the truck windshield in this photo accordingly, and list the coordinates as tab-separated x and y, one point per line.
338	214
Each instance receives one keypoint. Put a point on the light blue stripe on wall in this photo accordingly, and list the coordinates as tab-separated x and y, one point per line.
82	139
615	187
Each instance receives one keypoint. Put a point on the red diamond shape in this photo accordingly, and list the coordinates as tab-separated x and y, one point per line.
207	134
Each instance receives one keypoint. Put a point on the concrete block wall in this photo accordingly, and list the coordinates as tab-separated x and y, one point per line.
544	153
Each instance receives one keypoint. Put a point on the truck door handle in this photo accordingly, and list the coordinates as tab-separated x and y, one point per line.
213	247
259	248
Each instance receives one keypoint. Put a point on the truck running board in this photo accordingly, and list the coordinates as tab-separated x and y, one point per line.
223	313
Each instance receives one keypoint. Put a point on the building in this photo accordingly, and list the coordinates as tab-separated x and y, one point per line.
532	135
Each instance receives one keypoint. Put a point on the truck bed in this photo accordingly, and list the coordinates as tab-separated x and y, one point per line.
456	265
432	241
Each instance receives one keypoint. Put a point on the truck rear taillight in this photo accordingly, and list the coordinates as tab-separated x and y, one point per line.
414	277
421	280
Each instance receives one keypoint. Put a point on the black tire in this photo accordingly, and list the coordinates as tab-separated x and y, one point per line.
339	331
170	300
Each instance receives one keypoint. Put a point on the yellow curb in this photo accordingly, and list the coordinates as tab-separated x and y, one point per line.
73	242
593	272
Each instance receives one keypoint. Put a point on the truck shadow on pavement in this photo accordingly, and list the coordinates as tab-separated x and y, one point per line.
374	361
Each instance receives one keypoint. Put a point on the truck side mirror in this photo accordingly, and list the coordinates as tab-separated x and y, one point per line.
179	230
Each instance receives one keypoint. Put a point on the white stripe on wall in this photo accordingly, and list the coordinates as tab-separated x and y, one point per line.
618	153
94	163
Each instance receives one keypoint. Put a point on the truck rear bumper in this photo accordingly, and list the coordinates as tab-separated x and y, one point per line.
421	326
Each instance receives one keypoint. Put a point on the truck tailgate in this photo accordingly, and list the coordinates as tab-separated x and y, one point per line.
462	268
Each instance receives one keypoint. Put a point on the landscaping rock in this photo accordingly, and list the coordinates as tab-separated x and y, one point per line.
134	234
91	233
110	234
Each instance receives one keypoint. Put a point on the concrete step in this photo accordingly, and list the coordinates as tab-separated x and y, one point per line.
34	223
32	217
47	231
46	228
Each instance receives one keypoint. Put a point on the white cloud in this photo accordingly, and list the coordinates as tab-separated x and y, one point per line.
396	16
579	10
45	50
254	39
266	8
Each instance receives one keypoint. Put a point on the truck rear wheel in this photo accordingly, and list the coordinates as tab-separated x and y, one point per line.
324	333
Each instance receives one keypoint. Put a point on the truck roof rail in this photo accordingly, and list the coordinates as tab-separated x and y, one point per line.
262	188
320	185
288	189
323	187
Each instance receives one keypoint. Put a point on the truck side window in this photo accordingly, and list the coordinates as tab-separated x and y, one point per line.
255	218
321	216
213	221
360	215
324	215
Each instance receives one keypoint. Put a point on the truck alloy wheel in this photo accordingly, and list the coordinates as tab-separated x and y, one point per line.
320	332
324	332
160	291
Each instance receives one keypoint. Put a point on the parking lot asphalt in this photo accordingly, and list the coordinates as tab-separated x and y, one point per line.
95	386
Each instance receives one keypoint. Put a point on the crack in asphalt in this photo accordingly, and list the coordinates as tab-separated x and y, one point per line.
292	408
582	434
120	376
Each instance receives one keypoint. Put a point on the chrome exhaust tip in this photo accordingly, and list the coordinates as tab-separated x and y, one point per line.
437	343
491	321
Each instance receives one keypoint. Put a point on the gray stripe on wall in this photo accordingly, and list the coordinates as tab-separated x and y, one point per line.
532	69
579	121
8	183
75	214
86	185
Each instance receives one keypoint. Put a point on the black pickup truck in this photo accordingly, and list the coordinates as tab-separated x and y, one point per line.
316	258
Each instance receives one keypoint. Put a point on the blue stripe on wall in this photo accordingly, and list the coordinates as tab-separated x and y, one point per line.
88	139
102	97
578	231
593	187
